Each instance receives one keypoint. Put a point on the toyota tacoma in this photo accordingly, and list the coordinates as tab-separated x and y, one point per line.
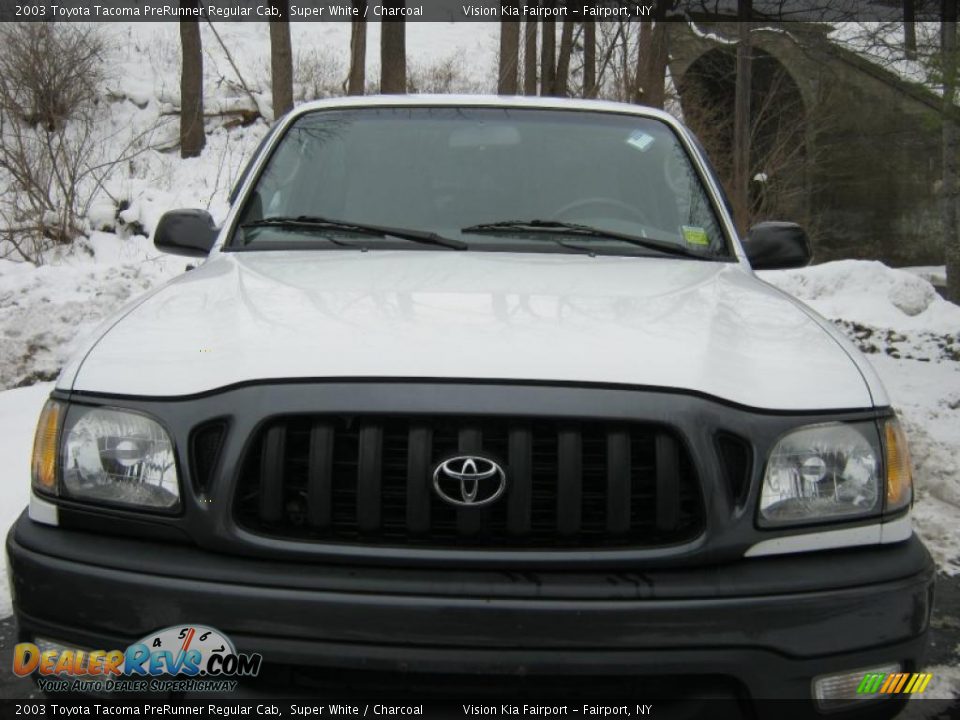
482	393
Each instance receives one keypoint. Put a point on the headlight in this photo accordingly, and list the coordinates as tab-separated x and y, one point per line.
823	472
117	457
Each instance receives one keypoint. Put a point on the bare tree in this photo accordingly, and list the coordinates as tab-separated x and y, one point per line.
509	54
949	215
281	58
548	56
254	104
562	78
55	150
654	74
530	58
644	56
49	70
393	53
192	136
741	119
358	50
613	38
779	124
589	60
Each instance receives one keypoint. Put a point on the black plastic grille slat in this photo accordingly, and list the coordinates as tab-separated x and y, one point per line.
519	473
419	480
618	482
569	481
369	479
668	491
369	468
320	475
272	474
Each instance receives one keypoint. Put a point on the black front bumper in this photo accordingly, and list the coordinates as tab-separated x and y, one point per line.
768	625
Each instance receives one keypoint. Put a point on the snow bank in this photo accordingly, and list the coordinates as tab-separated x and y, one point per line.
912	337
870	293
19	410
46	311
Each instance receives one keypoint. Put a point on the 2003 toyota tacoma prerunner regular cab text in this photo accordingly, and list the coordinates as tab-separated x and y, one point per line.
480	388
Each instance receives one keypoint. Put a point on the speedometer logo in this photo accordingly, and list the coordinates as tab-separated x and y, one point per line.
188	650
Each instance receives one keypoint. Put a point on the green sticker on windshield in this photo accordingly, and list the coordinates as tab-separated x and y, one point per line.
695	235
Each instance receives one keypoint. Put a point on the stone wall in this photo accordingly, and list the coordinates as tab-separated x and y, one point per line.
872	165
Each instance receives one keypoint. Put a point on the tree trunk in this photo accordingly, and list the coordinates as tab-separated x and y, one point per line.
393	53
948	215
589	60
509	54
358	51
910	29
562	78
655	68
192	137
548	56
530	58
281	59
644	60
741	121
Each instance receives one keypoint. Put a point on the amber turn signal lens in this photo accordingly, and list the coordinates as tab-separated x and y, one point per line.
899	476
44	465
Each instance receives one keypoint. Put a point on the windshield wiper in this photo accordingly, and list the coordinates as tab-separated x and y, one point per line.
556	226
321	223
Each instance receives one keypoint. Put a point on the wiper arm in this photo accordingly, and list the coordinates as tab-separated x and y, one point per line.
314	221
557	226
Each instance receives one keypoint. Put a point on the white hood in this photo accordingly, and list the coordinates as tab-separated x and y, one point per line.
706	327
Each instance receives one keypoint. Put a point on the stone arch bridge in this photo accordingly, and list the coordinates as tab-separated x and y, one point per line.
841	144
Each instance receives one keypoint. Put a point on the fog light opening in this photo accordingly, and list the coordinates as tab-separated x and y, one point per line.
841	690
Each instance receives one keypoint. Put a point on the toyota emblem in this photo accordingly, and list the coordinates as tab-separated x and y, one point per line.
469	481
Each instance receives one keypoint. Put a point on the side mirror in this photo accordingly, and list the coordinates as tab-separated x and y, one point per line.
777	246
185	232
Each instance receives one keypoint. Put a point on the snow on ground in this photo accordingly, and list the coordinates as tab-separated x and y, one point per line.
45	311
19	410
912	337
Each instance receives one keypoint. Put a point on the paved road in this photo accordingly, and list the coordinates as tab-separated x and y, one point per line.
944	650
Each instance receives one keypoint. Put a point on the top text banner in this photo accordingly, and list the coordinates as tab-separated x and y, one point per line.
440	10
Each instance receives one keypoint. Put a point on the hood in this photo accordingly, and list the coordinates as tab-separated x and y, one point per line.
711	328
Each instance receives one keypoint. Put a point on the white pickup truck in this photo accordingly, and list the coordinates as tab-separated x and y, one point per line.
482	392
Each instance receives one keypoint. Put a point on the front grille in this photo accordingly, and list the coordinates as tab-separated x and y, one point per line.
369	479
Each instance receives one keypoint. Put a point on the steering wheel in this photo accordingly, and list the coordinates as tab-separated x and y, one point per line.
623	209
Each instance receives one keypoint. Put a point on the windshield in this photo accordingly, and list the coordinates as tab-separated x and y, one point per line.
501	179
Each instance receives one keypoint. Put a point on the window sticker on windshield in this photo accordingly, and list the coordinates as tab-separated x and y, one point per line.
640	140
694	235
